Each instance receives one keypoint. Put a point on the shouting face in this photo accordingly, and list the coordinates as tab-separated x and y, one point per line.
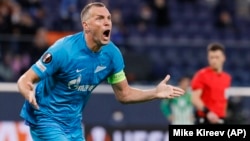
98	25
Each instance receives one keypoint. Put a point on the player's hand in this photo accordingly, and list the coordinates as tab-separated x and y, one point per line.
213	118
31	96
168	91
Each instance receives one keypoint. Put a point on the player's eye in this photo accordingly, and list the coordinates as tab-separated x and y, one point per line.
99	18
109	17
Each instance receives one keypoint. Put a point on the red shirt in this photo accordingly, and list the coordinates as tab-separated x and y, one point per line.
213	87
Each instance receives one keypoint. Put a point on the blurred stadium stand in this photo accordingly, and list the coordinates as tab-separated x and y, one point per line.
176	46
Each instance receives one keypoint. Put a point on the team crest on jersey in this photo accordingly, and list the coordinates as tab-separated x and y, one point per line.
47	58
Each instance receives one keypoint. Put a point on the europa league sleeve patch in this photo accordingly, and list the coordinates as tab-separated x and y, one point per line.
47	58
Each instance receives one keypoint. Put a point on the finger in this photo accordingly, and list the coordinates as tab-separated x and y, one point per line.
34	103
165	80
178	93
174	95
30	99
178	89
30	85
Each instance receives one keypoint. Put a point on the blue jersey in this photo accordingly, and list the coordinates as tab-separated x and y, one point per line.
68	72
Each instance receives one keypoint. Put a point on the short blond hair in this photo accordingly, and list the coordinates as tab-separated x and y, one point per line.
85	10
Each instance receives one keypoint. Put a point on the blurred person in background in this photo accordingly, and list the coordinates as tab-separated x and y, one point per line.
40	44
118	28
225	21
179	111
209	86
57	87
224	15
144	19
5	17
161	13
6	71
68	15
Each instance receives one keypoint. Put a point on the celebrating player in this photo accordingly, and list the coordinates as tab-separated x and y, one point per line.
58	86
209	85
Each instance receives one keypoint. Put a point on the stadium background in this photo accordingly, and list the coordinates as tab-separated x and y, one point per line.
156	39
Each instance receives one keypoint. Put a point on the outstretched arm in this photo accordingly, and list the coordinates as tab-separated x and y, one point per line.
26	86
127	94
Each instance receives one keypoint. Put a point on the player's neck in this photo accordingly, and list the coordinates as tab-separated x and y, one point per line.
92	45
218	70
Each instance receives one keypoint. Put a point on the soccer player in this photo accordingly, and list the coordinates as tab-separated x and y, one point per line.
209	85
179	111
58	86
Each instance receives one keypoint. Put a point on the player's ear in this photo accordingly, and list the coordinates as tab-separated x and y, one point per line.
85	27
224	58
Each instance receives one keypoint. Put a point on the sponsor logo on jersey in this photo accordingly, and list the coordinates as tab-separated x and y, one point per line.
75	85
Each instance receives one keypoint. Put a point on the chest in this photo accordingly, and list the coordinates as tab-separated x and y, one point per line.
217	82
86	70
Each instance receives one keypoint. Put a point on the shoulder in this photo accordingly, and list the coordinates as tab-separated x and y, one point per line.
202	71
72	39
66	43
227	75
111	48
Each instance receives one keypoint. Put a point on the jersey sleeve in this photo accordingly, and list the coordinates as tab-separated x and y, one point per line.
50	61
118	63
117	74
197	81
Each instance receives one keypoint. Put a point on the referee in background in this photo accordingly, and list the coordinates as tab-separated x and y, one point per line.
208	88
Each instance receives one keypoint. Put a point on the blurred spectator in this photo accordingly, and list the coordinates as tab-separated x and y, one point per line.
225	21
224	12
243	9
35	9
24	31
144	19
161	13
5	16
179	110
40	44
69	15
6	72
20	63
118	28
26	25
40	17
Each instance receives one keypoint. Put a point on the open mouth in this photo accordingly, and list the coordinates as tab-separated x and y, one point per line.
106	33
